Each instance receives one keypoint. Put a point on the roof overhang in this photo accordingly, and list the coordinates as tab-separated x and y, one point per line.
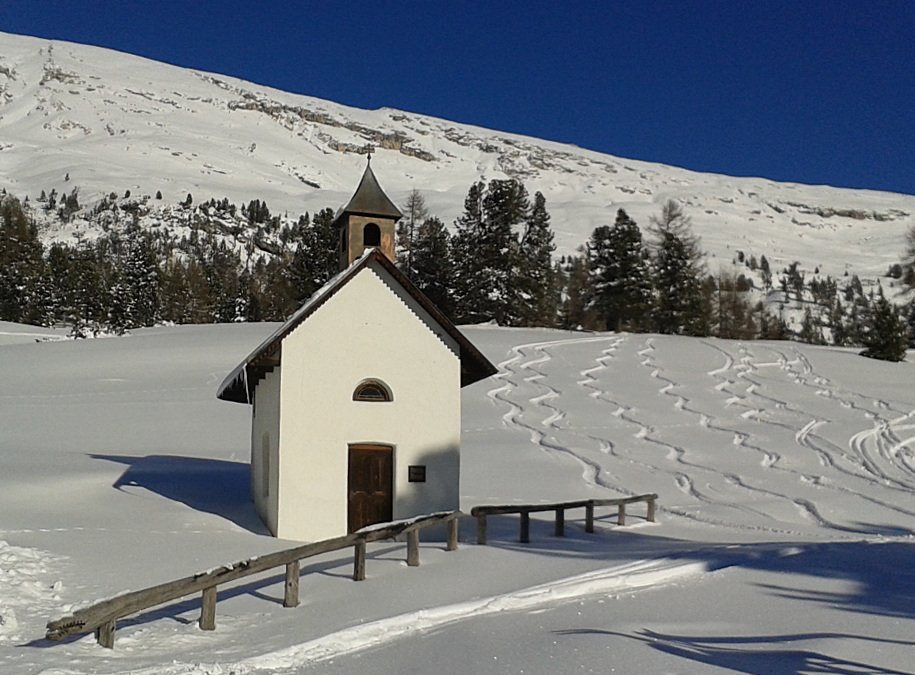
239	385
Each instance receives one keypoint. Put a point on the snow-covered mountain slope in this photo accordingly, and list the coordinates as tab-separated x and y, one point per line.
103	121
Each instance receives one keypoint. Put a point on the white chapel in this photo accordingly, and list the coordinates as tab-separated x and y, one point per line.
356	397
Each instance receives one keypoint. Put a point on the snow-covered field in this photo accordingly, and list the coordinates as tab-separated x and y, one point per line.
785	540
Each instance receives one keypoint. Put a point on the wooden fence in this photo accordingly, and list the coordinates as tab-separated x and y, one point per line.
480	513
103	616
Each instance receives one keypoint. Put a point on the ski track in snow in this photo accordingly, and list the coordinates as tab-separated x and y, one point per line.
878	450
521	367
592	474
687	484
880	434
880	455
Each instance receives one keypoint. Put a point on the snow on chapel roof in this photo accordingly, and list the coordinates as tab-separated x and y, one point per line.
240	383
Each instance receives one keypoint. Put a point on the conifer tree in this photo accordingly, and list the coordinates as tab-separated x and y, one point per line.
24	282
910	322
471	288
506	209
575	280
680	307
908	259
886	337
140	277
535	277
415	214
490	258
837	326
433	268
734	314
315	259
811	333
619	291
185	294
87	306
765	273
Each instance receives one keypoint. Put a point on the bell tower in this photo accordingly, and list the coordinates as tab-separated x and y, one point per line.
367	220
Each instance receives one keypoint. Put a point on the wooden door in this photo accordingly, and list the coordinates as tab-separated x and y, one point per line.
371	485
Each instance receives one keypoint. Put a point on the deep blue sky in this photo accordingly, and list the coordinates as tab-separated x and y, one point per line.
813	91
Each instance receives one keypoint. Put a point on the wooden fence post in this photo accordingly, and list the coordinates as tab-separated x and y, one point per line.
359	561
651	510
291	598
621	518
589	518
453	530
481	529
560	529
104	634
525	527
413	548
208	609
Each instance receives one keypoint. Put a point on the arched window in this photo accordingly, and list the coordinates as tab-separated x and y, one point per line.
373	391
371	235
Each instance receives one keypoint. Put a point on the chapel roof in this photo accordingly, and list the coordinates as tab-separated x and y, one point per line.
369	199
240	383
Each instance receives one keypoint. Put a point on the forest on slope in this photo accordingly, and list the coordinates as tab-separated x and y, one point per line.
139	263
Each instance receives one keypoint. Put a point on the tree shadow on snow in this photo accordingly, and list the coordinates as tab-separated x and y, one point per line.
208	485
768	655
881	574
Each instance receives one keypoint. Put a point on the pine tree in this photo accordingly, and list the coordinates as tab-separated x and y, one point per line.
886	337
837	325
908	259
433	268
766	273
471	289
677	267
24	281
185	294
910	322
735	316
811	333
539	297
119	304
414	214
141	278
87	308
619	291
315	259
58	266
772	327
506	209
575	282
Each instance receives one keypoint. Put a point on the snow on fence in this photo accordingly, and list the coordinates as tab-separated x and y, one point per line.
102	616
480	513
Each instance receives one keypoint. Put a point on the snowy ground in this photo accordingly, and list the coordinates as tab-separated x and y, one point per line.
785	540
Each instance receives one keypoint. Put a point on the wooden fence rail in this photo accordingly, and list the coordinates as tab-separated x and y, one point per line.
103	616
481	512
